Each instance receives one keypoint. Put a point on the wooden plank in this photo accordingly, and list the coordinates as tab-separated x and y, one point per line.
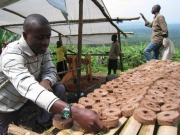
16	130
122	120
65	132
131	128
51	129
167	130
147	130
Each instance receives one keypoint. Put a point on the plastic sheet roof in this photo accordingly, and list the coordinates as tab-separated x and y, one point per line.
93	33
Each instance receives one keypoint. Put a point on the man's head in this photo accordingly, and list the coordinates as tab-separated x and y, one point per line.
114	37
156	9
59	43
37	32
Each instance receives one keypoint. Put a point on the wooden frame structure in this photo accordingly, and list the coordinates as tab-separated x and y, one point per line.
80	39
80	22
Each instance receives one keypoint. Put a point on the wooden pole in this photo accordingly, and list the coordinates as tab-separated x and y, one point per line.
120	52
93	34
79	48
108	18
98	20
15	130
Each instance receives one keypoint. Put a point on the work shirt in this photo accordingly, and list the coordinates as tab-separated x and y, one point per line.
159	28
114	51
20	71
61	51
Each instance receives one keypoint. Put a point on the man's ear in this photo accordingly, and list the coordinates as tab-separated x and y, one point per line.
25	35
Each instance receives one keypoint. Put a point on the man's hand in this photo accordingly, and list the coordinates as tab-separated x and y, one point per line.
88	119
46	84
142	15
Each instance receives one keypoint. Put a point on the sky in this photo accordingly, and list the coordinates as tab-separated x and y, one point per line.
131	8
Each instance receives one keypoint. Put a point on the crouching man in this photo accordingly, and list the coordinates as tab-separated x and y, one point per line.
27	73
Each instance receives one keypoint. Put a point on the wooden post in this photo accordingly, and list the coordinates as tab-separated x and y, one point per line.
120	52
79	48
15	130
108	18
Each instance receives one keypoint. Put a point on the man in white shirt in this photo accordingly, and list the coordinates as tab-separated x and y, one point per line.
27	73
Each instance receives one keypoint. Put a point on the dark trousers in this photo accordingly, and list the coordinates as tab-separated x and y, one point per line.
62	67
6	118
112	65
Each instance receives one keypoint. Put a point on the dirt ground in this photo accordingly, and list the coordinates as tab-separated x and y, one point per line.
28	115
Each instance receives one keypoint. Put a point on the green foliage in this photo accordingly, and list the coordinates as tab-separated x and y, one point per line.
176	56
132	55
7	36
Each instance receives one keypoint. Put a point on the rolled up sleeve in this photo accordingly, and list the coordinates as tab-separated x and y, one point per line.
49	71
148	24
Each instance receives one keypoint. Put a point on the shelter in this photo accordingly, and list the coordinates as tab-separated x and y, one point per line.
96	27
89	22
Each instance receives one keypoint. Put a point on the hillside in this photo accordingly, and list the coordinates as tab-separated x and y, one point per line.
143	34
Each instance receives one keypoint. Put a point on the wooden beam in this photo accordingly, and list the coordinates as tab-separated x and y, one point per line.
120	54
90	20
84	21
167	130
130	33
147	130
15	130
79	48
13	12
131	128
108	18
97	20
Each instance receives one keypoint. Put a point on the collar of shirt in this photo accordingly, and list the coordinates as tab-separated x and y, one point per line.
156	15
25	47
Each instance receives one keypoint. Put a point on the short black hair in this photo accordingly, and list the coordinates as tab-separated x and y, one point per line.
115	36
158	7
59	43
34	18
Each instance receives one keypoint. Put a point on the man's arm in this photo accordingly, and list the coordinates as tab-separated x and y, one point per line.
145	20
85	117
147	23
13	66
48	69
25	83
163	25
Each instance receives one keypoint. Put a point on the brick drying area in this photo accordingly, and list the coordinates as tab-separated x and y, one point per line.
144	100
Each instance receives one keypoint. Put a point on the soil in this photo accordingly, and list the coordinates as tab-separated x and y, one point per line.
29	113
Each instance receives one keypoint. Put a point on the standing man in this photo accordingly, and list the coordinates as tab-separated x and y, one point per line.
27	73
159	31
113	55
